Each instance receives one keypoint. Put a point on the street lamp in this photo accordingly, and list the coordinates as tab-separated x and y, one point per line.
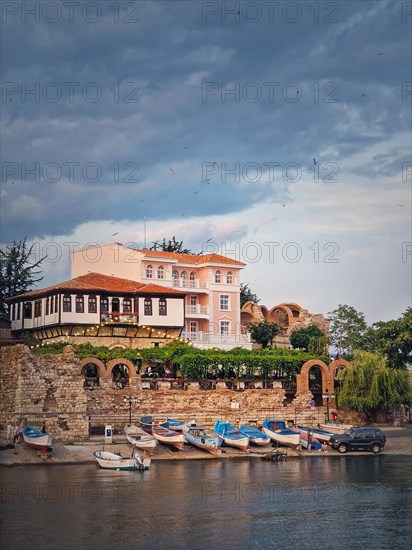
131	401
327	396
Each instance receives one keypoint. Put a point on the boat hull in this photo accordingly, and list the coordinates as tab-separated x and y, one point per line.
321	435
109	461
202	440
287	440
256	437
241	443
336	428
36	439
140	439
172	439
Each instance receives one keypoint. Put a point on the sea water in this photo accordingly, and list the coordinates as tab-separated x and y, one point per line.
321	502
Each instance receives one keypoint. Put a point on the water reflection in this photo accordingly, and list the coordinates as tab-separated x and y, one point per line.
327	502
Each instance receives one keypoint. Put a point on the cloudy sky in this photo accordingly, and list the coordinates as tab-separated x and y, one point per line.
280	132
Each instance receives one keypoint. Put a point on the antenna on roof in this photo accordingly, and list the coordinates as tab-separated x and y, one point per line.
145	236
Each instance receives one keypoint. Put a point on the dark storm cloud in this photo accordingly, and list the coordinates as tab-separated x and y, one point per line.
160	65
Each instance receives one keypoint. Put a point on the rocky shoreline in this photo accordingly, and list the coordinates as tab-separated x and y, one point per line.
399	442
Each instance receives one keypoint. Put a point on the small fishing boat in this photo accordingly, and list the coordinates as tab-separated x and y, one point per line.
177	425
277	430
162	434
112	461
321	435
336	427
202	439
231	436
141	439
36	439
256	437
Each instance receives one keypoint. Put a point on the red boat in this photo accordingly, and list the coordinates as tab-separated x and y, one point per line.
36	439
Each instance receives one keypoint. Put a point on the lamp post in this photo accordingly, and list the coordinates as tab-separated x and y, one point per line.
327	396
131	401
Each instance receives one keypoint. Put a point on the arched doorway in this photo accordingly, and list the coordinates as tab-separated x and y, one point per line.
120	376
91	375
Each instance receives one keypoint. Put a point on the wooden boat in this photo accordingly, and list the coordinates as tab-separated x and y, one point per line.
141	439
112	461
277	430
177	425
161	433
321	435
202	439
231	436
336	427
303	440
36	439
256	437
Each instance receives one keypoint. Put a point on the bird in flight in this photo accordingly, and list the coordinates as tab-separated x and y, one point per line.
195	192
283	204
208	241
401	205
315	162
364	95
173	172
185	147
115	234
381	53
141	201
183	214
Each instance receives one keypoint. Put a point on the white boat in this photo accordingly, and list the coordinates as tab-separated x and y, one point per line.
141	439
112	461
322	436
36	439
231	436
336	427
202	439
277	431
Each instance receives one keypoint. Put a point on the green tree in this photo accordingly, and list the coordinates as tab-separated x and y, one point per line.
394	339
368	385
17	273
347	330
172	245
263	332
247	295
305	337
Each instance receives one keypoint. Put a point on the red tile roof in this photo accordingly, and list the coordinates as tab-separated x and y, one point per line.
193	258
96	282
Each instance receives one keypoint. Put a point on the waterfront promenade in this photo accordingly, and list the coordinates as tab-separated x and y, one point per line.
399	442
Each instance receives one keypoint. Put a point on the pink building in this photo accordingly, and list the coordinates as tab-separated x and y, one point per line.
211	284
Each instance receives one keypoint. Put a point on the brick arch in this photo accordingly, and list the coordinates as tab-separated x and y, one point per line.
131	369
120	346
101	369
335	365
285	310
302	379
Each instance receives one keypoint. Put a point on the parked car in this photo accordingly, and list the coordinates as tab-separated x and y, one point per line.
359	439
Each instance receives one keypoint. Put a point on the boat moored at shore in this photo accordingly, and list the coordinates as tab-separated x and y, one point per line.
36	439
277	431
231	436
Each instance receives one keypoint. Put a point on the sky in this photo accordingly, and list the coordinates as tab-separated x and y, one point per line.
277	133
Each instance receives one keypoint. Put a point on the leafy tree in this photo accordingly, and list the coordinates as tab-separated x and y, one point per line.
263	332
347	330
170	246
370	386
394	339
17	274
247	295
305	337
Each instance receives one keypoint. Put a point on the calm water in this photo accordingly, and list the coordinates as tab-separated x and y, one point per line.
327	503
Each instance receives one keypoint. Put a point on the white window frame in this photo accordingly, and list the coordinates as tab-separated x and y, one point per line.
220	302
223	331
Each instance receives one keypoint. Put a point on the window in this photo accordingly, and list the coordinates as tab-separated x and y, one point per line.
79	304
162	306
13	312
229	278
183	278
224	327
193	300
37	308
92	304
224	302
104	305
28	310
160	272
192	278
149	272
56	303
47	305
67	303
193	327
51	305
127	305
148	306
18	311
175	275
217	277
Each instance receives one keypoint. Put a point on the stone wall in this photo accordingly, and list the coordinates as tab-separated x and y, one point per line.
43	388
51	387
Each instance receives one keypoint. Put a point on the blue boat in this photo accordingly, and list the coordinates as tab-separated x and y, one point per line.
36	439
231	436
177	425
256	437
277	430
202	439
